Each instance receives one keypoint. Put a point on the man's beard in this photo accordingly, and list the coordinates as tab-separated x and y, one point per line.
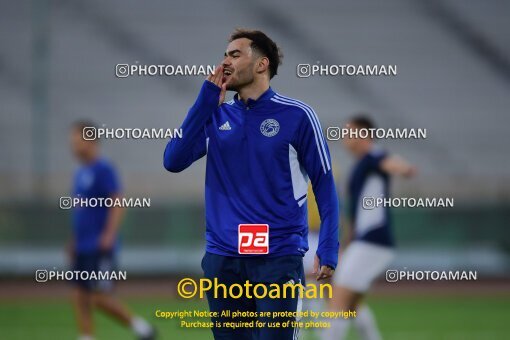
232	87
239	84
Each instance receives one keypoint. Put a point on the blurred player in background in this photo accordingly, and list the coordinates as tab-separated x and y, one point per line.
261	150
95	243
368	240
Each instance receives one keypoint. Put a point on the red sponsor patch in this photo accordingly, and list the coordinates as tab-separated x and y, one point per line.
253	239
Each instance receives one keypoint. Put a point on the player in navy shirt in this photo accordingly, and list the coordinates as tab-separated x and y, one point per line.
262	149
370	242
94	245
95	179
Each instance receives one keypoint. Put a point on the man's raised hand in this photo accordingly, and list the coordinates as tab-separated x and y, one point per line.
216	77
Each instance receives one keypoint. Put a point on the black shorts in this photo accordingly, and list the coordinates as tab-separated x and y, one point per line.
94	262
257	270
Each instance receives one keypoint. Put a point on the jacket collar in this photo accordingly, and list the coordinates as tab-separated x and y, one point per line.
268	94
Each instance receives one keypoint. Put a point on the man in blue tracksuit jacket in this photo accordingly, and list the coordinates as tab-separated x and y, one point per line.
262	148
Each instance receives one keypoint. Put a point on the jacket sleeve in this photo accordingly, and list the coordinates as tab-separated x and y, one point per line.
313	154
180	153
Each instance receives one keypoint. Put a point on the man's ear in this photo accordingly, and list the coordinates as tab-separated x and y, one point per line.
262	65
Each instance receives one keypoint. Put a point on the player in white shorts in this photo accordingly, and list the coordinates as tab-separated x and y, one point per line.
369	245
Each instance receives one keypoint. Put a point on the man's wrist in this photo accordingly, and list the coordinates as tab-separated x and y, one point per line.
328	262
108	233
212	85
209	95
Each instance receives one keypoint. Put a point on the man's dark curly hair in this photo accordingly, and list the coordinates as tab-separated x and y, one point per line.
261	43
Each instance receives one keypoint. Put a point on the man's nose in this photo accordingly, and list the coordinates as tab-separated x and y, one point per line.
226	62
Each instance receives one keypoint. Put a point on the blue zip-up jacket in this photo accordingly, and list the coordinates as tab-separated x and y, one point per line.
260	156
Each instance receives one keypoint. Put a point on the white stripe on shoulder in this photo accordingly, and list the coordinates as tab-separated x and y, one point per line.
230	102
319	139
314	130
304	105
316	120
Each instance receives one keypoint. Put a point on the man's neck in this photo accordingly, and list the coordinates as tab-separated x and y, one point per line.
365	149
90	159
253	91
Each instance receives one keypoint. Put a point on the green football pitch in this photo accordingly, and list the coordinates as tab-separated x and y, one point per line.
403	317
